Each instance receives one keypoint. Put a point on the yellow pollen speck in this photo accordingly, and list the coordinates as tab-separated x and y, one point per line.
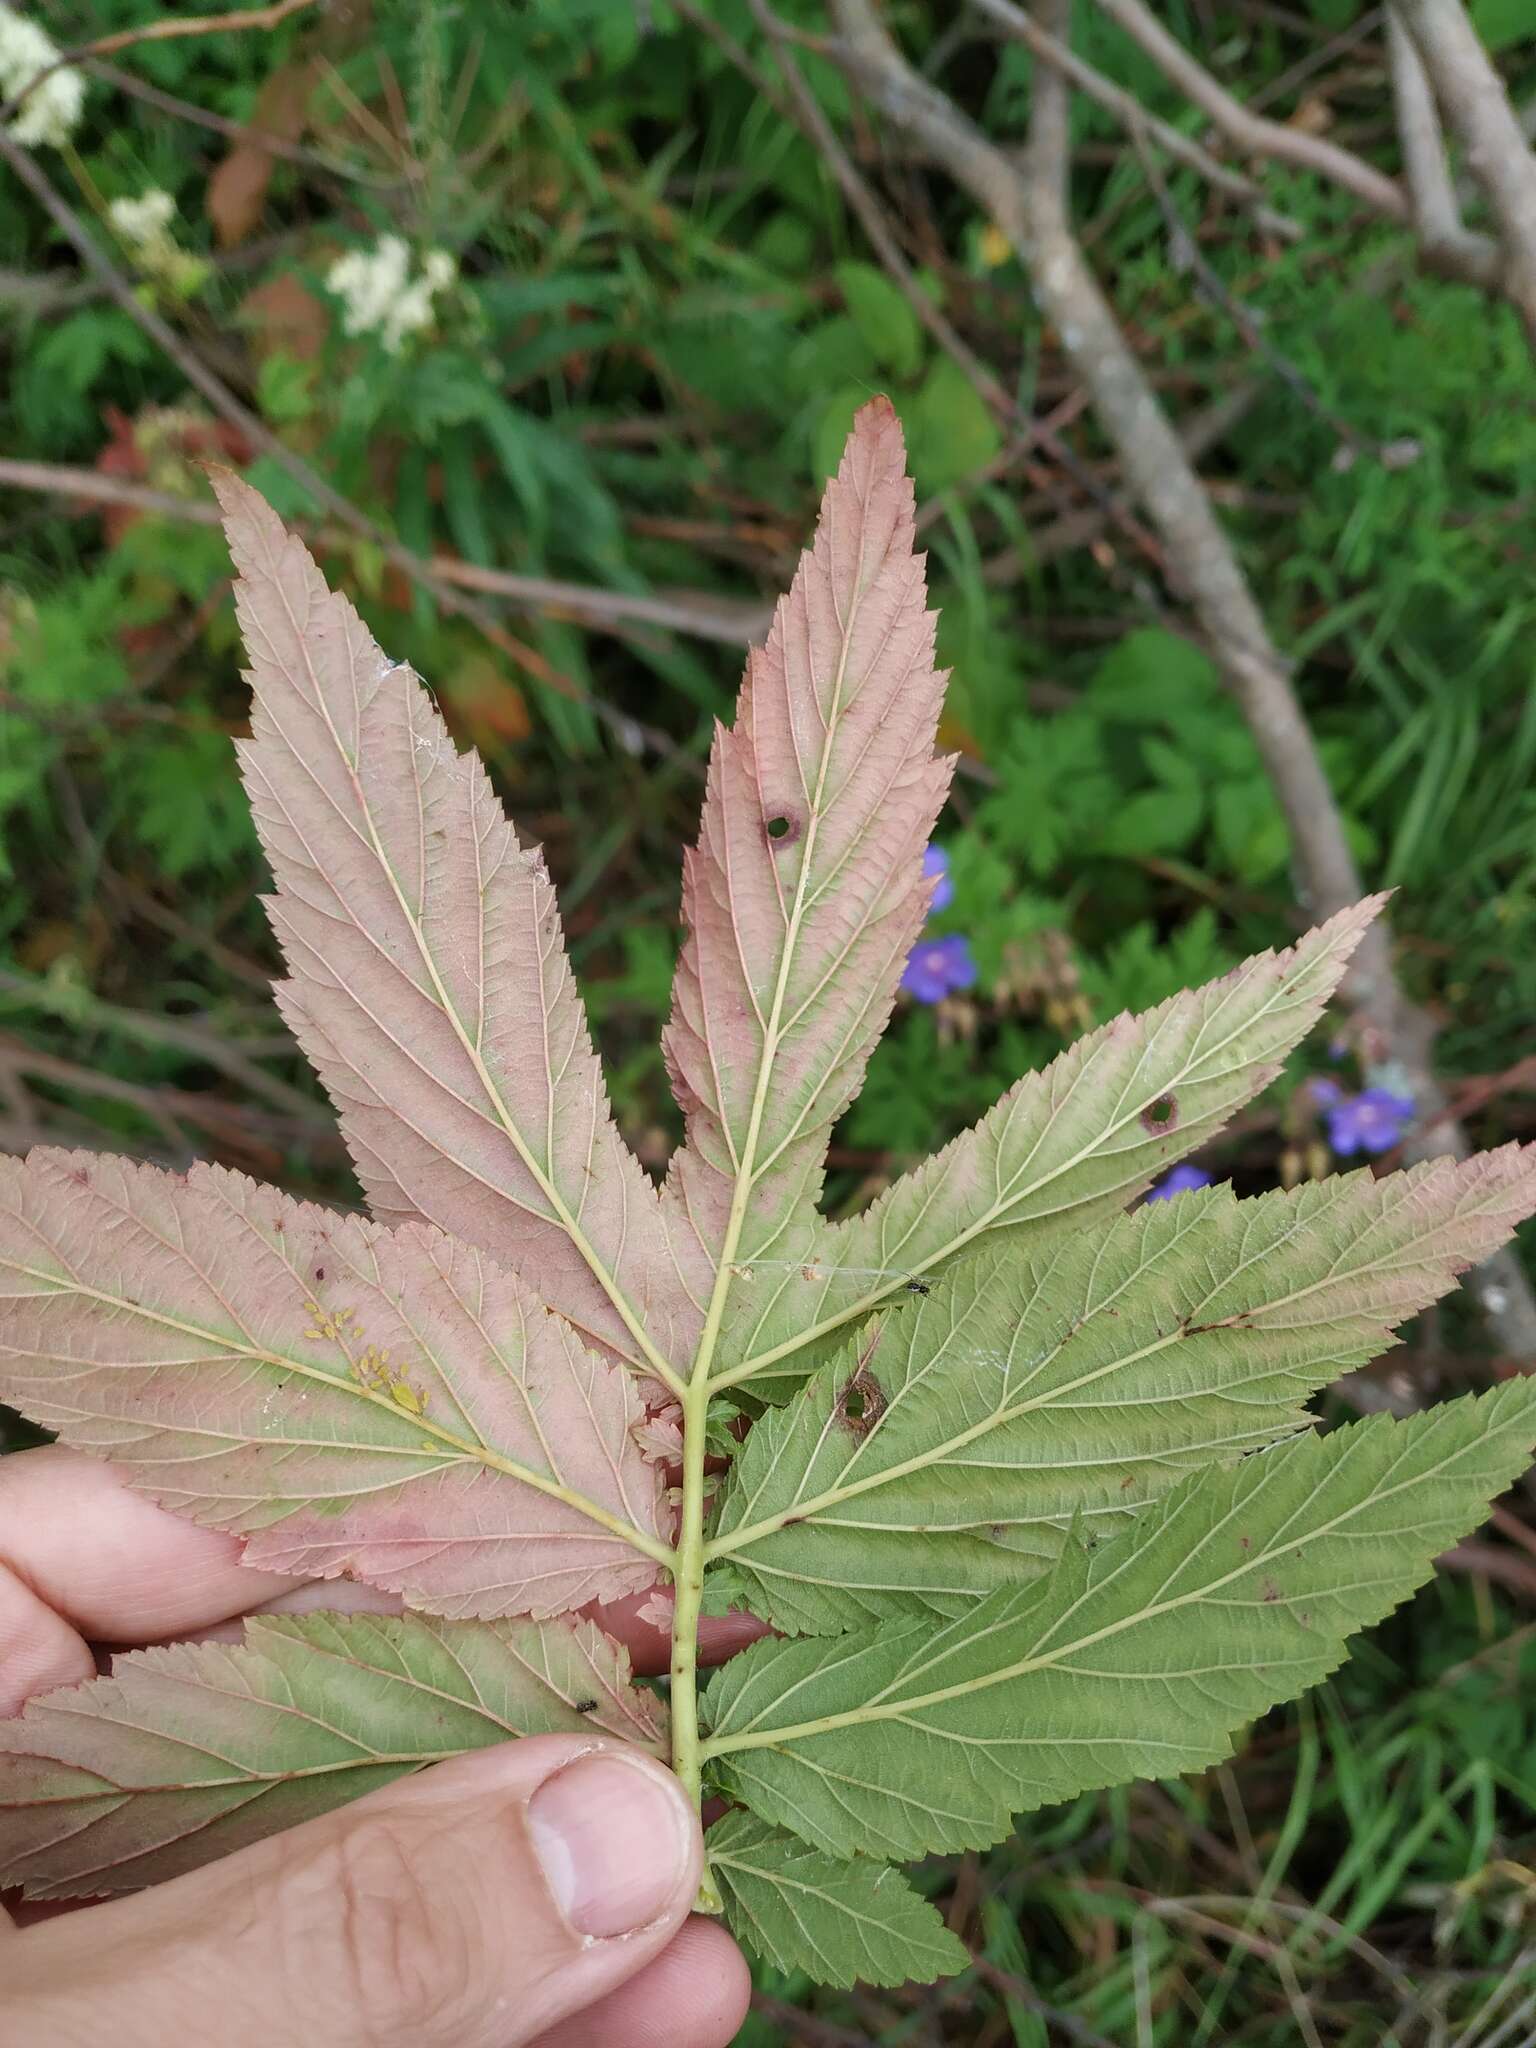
993	246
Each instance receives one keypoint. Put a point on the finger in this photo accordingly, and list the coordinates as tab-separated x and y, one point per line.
101	1562
38	1650
110	1563
695	1995
649	1640
477	1905
316	1596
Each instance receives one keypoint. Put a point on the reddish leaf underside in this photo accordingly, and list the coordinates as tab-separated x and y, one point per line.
428	981
805	892
187	1753
352	1399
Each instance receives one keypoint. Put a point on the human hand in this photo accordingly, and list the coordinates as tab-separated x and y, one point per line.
535	1893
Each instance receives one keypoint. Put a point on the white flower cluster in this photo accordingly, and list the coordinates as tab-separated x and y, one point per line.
145	226
51	114
381	296
143	220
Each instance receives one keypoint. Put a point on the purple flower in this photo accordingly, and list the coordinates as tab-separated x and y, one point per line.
1178	1180
1325	1092
1372	1121
937	967
936	867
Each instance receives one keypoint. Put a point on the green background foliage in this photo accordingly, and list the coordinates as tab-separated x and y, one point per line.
662	321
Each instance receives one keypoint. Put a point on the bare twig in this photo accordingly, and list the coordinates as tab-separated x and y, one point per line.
1472	259
805	2029
1200	432
628	731
800	105
1436	214
239	131
165	29
1031	209
169	1107
1317	58
1472	94
1488	1561
697	613
1185	254
1129	111
231	1059
1065	2023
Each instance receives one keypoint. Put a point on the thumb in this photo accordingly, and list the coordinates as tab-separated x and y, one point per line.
473	1906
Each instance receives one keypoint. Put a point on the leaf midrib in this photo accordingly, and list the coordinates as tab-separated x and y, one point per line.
801	1510
1016	1194
877	1711
481	1453
661	1366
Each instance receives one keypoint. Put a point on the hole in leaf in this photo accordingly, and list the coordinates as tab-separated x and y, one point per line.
861	1403
782	829
1161	1115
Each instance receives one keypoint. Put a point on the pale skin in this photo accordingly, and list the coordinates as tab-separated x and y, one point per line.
536	1894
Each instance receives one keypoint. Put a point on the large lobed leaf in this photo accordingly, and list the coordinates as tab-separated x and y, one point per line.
187	1753
1074	1142
428	982
1135	1658
805	892
1079	1376
1042	1446
352	1399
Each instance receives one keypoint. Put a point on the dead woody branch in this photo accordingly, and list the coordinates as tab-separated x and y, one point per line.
1472	96
1030	204
1468	258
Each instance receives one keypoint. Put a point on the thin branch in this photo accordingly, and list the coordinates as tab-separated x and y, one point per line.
119	289
1185	254
166	29
240	131
1014	1987
75	1006
1471	92
1472	259
1031	209
696	613
1132	115
1436	214
804	110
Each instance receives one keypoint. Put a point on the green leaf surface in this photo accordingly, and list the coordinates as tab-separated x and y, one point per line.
889	326
1136	1658
842	1921
1081	1377
1078	1139
187	1753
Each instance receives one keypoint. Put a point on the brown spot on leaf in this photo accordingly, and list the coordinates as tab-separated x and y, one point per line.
1162	1115
1246	1542
860	1403
319	1272
1270	1592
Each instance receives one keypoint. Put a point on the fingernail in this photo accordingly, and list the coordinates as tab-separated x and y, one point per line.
614	1839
